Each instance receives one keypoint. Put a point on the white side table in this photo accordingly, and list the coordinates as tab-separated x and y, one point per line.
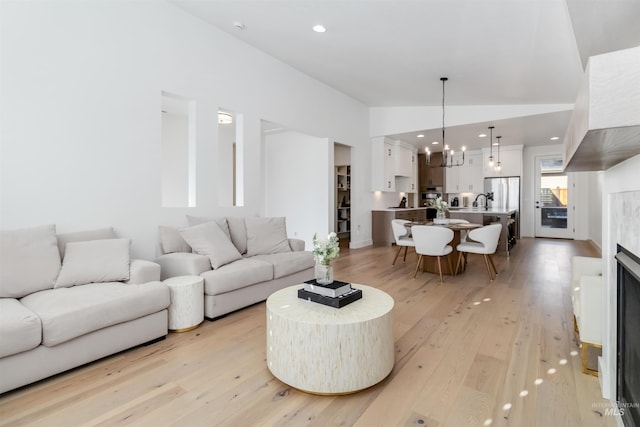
186	310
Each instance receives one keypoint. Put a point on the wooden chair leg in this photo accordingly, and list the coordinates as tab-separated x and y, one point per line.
397	253
492	264
458	262
405	253
449	262
486	263
417	266
440	270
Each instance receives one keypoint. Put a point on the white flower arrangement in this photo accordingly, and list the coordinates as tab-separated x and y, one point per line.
440	205
325	251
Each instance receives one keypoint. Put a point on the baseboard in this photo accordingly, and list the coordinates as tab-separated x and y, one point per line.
595	246
360	244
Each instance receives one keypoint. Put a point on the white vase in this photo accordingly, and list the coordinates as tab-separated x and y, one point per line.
441	218
324	273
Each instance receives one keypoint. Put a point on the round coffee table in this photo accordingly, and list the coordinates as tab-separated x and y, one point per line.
186	310
324	350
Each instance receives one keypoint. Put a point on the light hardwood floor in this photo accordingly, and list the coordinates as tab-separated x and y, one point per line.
468	353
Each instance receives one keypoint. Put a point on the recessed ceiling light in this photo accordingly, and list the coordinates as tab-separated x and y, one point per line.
319	28
435	143
496	143
482	135
554	138
420	136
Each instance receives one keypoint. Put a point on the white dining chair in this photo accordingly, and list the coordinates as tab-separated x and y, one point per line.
432	240
401	236
484	242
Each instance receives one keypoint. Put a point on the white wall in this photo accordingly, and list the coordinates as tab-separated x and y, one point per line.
342	154
80	97
175	160
226	139
595	188
296	184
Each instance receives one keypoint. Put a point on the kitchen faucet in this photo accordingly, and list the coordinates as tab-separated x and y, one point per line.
488	196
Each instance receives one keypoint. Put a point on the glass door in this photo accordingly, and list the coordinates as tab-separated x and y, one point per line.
554	199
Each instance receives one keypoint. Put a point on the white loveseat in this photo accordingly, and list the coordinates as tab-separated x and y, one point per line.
69	299
242	260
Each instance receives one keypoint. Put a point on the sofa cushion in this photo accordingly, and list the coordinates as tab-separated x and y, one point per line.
67	313
221	221
95	261
29	260
266	236
20	328
208	239
238	231
238	274
83	236
172	241
287	263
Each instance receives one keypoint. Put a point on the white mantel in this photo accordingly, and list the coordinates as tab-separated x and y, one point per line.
621	225
605	125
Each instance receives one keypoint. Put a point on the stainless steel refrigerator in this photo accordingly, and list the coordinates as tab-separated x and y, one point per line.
506	192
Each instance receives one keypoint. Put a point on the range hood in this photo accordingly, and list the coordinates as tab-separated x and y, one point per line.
605	125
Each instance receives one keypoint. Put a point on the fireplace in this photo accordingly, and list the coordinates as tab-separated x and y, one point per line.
628	357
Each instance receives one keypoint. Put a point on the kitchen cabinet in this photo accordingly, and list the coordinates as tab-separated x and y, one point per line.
403	161
510	159
393	166
430	177
381	231
467	178
382	164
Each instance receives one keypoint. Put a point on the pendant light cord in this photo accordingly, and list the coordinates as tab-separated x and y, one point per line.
444	79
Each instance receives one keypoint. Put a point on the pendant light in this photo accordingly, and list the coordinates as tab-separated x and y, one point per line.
447	153
491	146
498	165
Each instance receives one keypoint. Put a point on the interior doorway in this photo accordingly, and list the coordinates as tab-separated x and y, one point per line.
342	185
554	199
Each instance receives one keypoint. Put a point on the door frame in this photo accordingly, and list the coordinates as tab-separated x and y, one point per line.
557	233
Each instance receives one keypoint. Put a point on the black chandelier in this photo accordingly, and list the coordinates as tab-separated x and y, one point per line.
447	153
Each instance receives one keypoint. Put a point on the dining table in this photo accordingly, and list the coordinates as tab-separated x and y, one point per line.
429	263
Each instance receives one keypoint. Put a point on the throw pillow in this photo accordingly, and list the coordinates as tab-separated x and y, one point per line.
238	231
83	236
209	240
266	236
221	221
29	261
172	241
95	261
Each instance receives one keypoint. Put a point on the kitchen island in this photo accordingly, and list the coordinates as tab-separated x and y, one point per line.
507	217
381	231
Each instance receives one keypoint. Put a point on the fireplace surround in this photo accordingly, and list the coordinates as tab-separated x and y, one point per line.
628	337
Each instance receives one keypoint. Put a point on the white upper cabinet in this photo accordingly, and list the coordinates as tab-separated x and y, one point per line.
404	160
467	178
510	159
393	166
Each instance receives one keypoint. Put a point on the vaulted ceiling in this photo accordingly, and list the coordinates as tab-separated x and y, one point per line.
392	53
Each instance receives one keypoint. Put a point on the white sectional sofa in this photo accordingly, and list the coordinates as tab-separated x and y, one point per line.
242	260
69	299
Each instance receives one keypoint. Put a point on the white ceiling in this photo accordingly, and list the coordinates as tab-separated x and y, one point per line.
393	52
